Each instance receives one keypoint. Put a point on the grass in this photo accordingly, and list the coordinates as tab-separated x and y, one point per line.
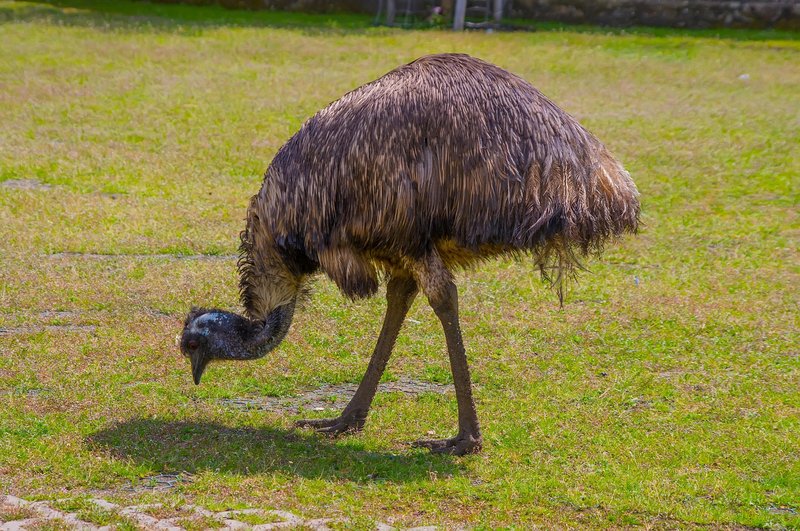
664	393
89	512
16	513
199	523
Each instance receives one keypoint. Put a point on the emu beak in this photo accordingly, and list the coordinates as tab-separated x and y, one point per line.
199	363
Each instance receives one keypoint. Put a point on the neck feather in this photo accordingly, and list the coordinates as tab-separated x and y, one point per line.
250	339
275	328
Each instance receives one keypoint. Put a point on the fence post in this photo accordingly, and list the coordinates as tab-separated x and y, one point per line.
459	15
390	11
498	12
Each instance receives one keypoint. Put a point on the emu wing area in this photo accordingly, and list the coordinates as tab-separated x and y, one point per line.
447	152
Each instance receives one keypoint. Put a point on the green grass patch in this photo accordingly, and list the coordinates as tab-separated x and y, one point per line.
89	512
664	393
199	523
256	518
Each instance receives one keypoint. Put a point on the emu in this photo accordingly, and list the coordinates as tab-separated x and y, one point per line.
437	165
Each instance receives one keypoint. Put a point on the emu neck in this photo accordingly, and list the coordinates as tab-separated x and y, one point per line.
253	339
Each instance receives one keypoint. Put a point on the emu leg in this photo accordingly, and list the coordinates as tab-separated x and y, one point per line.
400	293
443	296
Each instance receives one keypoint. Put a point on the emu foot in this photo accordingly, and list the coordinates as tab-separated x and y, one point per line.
345	423
461	444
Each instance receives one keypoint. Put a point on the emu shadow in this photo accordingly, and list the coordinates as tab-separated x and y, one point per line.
193	447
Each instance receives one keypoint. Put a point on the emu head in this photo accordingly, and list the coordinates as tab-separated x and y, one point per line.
219	335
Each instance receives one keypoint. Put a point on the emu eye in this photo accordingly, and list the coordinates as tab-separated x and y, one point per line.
192	345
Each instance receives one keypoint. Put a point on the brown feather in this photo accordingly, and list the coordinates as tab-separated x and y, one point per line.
448	152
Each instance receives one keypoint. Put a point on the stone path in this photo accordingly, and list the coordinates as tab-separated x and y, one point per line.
331	396
25	184
40	513
139	256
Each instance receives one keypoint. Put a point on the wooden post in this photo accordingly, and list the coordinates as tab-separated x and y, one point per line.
459	15
498	12
390	11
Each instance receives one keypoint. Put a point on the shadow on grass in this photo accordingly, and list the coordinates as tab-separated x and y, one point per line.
179	446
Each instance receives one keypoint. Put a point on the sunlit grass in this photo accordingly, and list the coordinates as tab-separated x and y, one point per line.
664	393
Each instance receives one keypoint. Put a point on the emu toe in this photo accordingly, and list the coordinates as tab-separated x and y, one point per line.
461	444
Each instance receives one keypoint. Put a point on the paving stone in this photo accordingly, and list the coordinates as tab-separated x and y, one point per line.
139	513
19	525
330	396
160	482
140	256
25	184
49	328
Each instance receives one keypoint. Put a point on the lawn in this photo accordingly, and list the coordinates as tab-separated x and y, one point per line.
665	393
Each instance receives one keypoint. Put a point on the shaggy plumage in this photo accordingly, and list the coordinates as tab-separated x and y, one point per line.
448	152
436	165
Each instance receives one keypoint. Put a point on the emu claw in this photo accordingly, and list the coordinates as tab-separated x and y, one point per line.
458	445
335	426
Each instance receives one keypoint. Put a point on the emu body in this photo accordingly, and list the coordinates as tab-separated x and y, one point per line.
436	165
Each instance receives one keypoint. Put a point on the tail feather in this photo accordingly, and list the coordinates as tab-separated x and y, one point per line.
579	207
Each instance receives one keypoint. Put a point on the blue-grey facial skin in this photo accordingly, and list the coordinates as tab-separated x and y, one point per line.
204	339
220	335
